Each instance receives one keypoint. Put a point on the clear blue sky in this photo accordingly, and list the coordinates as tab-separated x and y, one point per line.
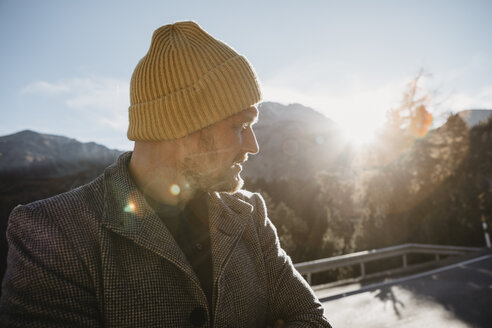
66	65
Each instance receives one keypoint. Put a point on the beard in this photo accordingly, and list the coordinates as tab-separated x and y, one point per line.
203	171
228	180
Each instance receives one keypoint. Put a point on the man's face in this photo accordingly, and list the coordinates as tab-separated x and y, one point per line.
215	162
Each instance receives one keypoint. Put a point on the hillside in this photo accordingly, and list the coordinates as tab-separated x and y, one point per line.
295	142
31	154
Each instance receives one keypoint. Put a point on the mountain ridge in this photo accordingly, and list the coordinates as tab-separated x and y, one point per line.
29	153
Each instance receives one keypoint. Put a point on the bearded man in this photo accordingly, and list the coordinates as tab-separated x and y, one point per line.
165	237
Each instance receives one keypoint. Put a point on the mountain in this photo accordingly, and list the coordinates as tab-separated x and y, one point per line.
295	142
33	155
474	117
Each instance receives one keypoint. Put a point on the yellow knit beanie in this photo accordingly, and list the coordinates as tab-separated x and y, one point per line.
187	80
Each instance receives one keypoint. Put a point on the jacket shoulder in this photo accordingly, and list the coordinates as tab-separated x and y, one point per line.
86	198
76	213
53	260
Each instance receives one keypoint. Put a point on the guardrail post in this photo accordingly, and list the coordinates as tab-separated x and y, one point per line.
405	260
308	278
437	257
362	269
485	232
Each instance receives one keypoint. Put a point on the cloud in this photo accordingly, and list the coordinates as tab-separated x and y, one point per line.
105	98
44	87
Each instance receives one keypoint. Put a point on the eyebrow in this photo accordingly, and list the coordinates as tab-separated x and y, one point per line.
250	116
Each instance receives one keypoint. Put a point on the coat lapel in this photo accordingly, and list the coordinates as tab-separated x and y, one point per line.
127	213
228	217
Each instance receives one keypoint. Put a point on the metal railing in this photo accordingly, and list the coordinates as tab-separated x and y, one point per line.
361	258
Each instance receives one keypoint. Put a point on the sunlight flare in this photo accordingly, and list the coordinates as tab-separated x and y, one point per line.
174	189
130	207
361	130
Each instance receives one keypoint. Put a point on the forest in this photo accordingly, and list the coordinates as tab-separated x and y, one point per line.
411	185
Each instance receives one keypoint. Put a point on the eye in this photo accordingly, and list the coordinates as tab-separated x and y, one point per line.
241	127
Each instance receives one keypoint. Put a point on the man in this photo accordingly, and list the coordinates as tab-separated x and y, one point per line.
165	237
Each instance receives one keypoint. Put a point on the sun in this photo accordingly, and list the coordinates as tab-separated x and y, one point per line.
360	132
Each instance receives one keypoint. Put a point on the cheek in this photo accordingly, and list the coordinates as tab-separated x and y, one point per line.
232	142
229	154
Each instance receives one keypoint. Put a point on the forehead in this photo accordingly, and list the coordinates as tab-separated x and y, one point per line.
249	115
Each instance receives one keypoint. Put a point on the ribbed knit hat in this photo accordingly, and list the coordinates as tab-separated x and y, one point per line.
187	80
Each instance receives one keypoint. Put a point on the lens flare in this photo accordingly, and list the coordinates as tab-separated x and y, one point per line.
421	122
130	207
174	189
290	147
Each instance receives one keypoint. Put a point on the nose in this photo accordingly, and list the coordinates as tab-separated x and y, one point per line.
250	145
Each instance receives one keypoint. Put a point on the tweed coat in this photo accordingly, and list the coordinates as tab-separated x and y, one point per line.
98	256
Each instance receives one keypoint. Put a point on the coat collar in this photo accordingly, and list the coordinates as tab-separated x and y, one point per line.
127	213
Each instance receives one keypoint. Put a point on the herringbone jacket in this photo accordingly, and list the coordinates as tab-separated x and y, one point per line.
98	256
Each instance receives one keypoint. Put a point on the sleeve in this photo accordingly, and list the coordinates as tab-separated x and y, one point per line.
46	284
292	300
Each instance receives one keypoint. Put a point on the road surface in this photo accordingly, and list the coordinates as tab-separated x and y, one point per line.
455	296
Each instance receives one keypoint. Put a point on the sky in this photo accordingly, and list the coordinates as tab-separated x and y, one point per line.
65	65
